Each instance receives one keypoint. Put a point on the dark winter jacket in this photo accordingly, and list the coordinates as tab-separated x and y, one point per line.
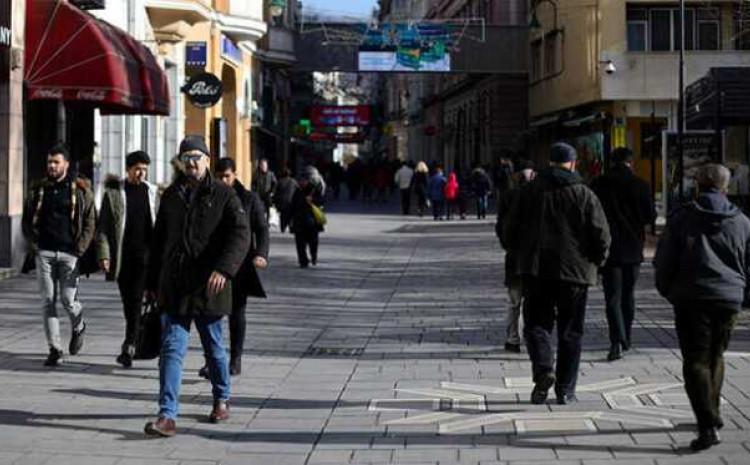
112	218
704	254
197	232
436	187
247	279
264	184
82	215
559	228
419	183
285	188
627	201
480	183
504	207
303	220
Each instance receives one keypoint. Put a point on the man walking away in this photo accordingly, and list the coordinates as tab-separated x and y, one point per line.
629	208
247	282
201	238
512	275
282	198
306	230
403	178
561	233
702	268
264	184
126	225
436	190
482	187
59	223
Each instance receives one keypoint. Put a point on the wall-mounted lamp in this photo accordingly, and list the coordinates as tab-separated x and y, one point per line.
609	66
534	24
277	8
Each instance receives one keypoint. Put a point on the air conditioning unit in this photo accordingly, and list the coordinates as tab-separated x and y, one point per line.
90	4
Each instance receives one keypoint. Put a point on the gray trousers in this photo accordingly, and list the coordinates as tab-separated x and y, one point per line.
513	322
57	275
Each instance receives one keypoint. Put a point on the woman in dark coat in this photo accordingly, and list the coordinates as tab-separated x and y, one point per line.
304	226
420	182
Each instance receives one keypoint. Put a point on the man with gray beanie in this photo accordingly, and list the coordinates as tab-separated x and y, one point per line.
561	235
702	268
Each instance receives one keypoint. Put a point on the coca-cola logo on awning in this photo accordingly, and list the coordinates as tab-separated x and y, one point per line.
203	90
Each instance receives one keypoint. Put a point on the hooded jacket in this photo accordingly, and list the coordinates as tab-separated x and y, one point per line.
451	187
559	229
704	254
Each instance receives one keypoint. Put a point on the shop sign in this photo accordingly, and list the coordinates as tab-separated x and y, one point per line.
339	138
195	54
351	115
203	90
230	51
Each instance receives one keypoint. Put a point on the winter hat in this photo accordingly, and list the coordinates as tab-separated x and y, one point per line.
562	153
525	165
194	143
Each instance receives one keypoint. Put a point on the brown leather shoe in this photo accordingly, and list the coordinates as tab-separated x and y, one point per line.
220	411
164	427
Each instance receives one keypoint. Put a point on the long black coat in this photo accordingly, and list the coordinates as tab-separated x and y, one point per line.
193	237
303	220
559	228
627	202
247	280
704	254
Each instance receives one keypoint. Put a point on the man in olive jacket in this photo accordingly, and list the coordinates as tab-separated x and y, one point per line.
703	269
59	223
561	234
201	239
126	225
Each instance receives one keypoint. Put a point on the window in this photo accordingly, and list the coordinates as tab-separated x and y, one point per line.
536	60
637	29
661	30
658	29
707	29
551	54
689	30
742	28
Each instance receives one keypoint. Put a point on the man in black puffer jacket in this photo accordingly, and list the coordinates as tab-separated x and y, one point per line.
702	268
559	229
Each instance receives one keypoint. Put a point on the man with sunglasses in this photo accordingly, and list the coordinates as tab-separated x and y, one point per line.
201	238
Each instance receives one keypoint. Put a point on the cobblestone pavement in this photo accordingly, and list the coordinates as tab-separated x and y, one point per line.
388	352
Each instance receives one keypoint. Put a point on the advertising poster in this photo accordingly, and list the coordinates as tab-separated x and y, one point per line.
699	148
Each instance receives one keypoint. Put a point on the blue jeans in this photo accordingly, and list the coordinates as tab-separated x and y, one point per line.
174	345
482	206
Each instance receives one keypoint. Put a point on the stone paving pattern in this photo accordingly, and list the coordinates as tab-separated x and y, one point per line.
397	309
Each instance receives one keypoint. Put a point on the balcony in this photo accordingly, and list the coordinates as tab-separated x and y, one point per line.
171	11
654	75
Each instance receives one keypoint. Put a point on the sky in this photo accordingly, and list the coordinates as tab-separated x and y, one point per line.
358	7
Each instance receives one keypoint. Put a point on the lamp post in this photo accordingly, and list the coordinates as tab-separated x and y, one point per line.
681	103
534	24
277	8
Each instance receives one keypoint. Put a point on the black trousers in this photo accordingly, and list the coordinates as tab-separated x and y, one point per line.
619	293
237	324
285	217
132	283
704	333
405	201
305	240
546	303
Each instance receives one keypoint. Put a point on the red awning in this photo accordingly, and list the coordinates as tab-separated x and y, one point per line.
73	56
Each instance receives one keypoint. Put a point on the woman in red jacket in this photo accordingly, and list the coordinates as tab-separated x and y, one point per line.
451	191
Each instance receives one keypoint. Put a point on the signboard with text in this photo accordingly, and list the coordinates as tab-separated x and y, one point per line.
698	148
331	115
203	90
196	53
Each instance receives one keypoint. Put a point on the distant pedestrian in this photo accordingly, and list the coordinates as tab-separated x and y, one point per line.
59	224
282	198
703	269
436	190
247	282
304	225
627	202
512	271
403	180
124	235
481	186
502	174
561	233
420	182
451	190
201	239
264	184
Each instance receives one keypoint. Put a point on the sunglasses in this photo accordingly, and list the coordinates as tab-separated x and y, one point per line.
191	157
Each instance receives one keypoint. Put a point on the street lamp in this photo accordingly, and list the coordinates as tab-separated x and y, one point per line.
681	103
534	24
277	8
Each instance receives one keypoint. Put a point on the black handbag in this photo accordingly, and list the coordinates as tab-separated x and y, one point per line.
148	342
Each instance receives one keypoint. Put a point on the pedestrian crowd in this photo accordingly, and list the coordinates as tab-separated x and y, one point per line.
193	253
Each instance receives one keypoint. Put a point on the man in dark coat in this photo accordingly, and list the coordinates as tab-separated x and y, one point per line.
560	231
126	225
59	224
629	207
304	226
264	184
282	198
524	176
201	238
247	282
702	268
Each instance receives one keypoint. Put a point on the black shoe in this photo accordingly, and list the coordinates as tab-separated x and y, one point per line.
314	262
235	367
76	341
719	424
541	388
55	358
303	265
125	360
566	399
706	439
515	348
204	372
615	353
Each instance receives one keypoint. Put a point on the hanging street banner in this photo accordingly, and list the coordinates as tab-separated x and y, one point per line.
407	47
203	90
332	115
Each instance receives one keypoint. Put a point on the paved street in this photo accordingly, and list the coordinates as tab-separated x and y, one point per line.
390	351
